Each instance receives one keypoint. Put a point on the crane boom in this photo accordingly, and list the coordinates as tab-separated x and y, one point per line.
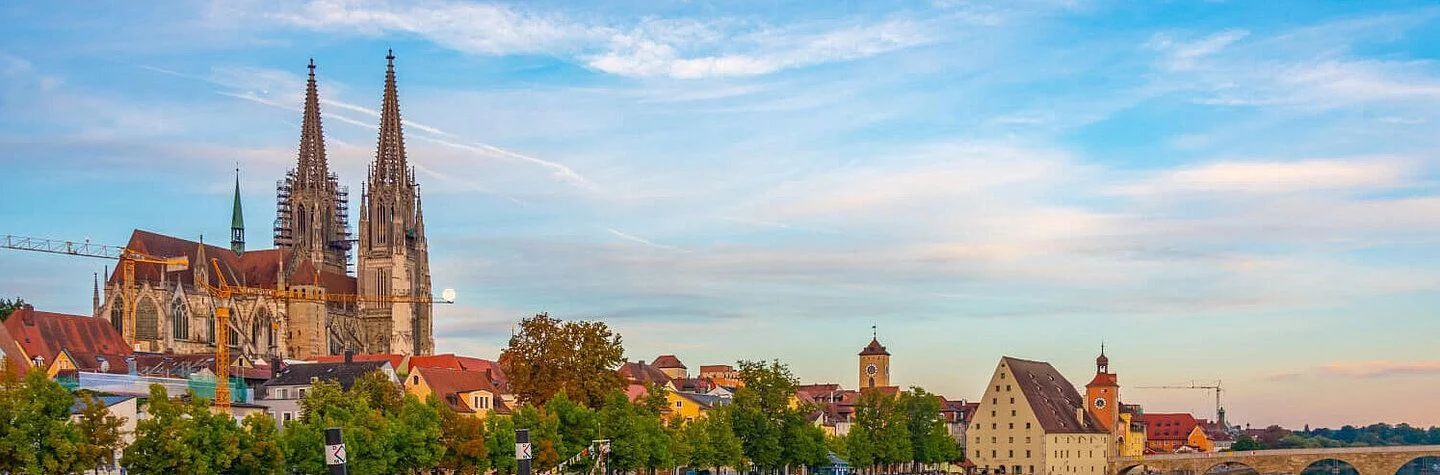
1217	387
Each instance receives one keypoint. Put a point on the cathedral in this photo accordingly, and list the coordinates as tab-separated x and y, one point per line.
174	311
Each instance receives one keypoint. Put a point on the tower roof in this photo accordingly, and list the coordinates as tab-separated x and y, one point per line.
312	170
874	348
390	166
237	217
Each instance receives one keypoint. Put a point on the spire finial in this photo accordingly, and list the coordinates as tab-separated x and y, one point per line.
312	65
874	332
390	56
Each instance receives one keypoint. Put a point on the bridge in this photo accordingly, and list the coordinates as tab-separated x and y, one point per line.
1396	460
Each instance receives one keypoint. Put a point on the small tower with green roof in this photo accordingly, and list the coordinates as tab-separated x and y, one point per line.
237	221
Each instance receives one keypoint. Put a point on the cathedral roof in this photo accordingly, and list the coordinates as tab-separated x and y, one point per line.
259	268
1052	398
874	348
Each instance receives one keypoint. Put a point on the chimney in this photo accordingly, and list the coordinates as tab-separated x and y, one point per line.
1080	416
274	365
349	356
29	317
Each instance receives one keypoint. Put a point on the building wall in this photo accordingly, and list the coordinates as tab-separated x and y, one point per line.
882	373
1131	442
280	400
1076	453
681	407
1004	431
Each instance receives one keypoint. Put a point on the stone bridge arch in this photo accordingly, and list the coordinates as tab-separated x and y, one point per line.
1330	466
1401	460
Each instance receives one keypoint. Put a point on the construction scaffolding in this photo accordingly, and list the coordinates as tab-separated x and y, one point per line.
336	237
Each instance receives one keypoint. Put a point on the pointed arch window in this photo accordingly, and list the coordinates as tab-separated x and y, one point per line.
117	315
147	320
179	319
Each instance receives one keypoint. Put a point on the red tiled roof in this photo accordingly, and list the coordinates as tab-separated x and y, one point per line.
1104	379
1052	398
447	361
874	348
394	359
448	383
716	368
34	333
1169	426
497	375
892	391
636	391
668	362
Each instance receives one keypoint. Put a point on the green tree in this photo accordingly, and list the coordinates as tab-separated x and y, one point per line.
99	431
35	434
930	441
379	392
464	439
367	432
728	450
182	436
803	442
415	435
500	443
544	434
260	450
578	426
1245	442
760	408
881	435
548	356
8	306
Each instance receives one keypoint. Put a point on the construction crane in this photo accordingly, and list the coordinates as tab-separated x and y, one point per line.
1219	411
127	257
222	292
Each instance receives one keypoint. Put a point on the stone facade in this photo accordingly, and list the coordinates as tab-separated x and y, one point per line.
1366	460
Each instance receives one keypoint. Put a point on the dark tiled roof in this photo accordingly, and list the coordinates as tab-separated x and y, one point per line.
874	348
668	362
705	401
1169	426
695	385
395	360
1053	399
716	368
35	333
643	373
344	373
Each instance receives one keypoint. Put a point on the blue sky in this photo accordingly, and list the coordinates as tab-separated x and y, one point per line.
1218	190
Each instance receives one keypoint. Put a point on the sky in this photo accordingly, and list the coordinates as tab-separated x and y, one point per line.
1233	191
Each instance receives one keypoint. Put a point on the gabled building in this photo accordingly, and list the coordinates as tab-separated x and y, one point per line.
281	394
57	342
638	372
671	366
1176	432
463	391
1032	420
723	375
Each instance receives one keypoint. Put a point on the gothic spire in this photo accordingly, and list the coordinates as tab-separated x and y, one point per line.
390	167
237	221
312	169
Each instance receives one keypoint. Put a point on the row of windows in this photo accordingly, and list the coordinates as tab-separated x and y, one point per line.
1065	454
993	440
284	393
995	454
997	426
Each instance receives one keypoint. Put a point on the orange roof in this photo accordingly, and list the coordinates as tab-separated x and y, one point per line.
1169	426
635	391
1104	379
716	368
34	333
874	348
447	361
447	384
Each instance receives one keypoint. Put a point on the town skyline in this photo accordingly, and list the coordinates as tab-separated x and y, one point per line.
1218	192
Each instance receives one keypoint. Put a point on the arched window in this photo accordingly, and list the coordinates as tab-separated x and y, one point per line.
179	320
117	315
147	320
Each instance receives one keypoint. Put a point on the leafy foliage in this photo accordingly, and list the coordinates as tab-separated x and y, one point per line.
35	433
182	435
400	435
260	450
464	440
99	431
8	306
548	356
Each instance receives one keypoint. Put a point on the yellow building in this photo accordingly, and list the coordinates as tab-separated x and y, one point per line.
690	406
465	392
874	366
1131	442
1032	420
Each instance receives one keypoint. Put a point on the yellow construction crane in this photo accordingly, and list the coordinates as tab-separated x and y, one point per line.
127	257
222	292
1217	387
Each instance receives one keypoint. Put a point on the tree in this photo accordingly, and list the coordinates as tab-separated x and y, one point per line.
759	410
415	435
544	434
881	435
464	440
577	427
379	392
35	433
621	421
182	436
548	356
260	450
930	441
728	451
368	436
1245	442
99	432
500	443
8	306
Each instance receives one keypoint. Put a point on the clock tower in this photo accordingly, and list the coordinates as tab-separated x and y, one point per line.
874	365
1102	395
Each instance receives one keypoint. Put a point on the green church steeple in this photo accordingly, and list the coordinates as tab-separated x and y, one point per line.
237	221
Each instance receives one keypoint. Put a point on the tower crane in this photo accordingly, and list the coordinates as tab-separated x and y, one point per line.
222	292
1219	411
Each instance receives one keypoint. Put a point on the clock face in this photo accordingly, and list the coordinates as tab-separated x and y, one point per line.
1100	402
871	369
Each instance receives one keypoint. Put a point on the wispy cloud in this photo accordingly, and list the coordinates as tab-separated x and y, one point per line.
638	239
1254	177
1362	370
